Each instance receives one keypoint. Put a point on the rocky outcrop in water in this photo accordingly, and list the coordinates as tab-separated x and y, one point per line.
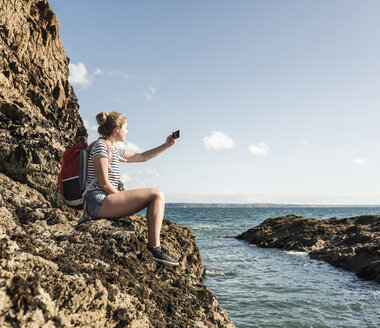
352	244
54	273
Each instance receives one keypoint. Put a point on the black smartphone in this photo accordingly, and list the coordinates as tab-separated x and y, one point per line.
175	134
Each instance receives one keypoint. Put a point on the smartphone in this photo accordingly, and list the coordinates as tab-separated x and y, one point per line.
175	134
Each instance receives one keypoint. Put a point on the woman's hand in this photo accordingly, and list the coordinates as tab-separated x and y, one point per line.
170	141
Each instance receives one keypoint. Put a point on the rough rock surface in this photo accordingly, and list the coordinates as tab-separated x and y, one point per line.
38	108
52	273
352	244
99	274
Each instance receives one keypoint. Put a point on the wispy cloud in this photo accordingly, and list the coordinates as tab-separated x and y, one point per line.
260	149
360	161
130	147
149	93
136	179
124	75
88	126
114	73
98	71
79	75
152	173
149	172
218	140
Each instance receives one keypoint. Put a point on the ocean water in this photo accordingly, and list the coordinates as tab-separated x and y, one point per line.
276	288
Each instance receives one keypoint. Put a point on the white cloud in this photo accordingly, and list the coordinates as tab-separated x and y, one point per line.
79	75
98	71
218	140
138	185
88	126
114	73
146	173
136	179
130	147
149	93
152	173
259	149
360	161
122	74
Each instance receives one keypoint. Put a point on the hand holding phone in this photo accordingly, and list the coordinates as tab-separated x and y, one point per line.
176	134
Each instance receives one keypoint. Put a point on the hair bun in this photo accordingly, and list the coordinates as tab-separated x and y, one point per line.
108	122
101	118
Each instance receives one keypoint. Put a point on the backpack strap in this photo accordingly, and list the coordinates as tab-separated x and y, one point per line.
108	150
109	162
92	144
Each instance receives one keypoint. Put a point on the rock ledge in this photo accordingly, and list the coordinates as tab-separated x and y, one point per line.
352	243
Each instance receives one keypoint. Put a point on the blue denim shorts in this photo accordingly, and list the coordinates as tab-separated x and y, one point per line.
94	200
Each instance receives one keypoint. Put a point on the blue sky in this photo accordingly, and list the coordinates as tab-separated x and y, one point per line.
277	101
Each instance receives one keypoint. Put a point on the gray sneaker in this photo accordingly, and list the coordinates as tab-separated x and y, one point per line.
161	255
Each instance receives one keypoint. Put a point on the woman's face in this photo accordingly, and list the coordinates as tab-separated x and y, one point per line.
122	132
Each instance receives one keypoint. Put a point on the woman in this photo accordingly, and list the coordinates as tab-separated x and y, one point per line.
103	200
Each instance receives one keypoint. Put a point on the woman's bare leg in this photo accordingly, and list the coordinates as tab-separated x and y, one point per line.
129	202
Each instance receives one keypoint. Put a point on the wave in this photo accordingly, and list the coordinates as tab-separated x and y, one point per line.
205	227
298	253
217	272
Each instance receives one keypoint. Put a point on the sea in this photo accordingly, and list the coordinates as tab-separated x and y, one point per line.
272	287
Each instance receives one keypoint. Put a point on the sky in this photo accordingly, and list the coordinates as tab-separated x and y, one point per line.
278	101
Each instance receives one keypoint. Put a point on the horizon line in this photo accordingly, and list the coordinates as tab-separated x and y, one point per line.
276	204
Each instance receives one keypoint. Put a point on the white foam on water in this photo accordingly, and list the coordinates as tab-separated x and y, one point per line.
204	227
217	272
298	253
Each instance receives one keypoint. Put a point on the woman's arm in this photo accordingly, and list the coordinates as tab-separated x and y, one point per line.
149	154
101	168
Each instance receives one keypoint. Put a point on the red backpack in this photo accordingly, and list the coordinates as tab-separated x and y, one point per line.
72	177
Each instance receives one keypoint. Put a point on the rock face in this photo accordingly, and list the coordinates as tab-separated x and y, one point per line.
53	273
352	244
38	109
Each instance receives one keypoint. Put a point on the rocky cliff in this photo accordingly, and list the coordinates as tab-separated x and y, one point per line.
352	244
38	108
53	273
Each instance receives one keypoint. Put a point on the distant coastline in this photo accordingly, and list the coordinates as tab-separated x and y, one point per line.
253	205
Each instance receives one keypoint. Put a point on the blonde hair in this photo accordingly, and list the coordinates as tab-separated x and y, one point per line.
108	121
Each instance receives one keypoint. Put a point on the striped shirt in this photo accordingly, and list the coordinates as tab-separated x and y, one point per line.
100	149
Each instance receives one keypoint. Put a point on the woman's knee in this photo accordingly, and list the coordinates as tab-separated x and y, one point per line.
157	194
